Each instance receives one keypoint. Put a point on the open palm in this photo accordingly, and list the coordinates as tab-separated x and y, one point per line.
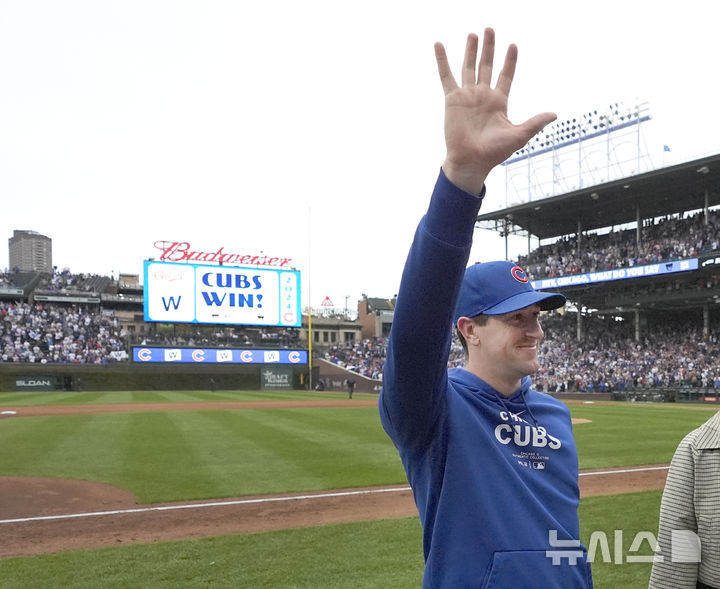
478	133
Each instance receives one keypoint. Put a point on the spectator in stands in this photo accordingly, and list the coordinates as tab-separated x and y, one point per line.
672	238
366	357
59	333
237	336
607	358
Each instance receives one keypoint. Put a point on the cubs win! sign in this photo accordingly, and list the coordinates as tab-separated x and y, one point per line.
193	293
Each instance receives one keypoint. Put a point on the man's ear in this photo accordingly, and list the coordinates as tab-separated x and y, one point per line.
470	330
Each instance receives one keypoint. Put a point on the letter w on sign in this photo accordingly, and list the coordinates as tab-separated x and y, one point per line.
171	302
173	355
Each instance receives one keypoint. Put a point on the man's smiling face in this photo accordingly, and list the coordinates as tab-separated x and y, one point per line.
509	343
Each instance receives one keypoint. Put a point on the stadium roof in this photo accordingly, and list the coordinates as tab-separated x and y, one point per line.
377	304
679	188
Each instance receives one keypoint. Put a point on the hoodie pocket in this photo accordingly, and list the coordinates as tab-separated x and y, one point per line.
538	569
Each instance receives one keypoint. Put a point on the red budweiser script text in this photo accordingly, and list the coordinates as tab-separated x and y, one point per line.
181	251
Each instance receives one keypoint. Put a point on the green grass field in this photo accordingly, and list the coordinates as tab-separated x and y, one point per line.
90	398
385	553
180	455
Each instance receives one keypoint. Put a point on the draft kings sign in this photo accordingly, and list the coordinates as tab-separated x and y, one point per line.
201	293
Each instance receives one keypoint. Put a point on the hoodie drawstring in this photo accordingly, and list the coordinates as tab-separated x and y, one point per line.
501	398
527	407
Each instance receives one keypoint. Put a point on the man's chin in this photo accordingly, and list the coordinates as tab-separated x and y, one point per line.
529	356
531	367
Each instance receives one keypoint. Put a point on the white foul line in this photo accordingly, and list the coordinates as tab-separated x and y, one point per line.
643	469
265	500
201	505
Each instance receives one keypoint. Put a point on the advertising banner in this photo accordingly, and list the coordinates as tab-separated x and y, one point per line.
35	383
617	274
276	378
218	356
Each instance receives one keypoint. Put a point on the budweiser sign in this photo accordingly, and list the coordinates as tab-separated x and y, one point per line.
181	251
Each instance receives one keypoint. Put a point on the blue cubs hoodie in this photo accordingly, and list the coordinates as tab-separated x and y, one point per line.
494	478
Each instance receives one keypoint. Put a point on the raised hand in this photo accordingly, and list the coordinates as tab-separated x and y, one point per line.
478	133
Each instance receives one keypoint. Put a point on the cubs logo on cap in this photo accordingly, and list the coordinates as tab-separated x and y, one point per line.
496	288
519	274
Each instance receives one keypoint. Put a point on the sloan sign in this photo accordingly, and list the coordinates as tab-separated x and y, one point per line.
36	383
193	293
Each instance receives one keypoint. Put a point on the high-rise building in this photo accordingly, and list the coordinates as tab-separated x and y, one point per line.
30	252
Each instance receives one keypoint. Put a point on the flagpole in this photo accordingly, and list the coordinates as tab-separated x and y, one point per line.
310	383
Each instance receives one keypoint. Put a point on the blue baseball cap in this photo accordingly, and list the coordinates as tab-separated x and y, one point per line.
496	288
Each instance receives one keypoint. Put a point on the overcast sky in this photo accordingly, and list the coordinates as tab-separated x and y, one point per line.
310	130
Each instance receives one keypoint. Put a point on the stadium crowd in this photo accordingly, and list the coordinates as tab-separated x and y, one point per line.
607	358
669	239
61	281
59	333
219	337
366	357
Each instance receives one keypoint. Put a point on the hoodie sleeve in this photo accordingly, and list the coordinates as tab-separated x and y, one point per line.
415	373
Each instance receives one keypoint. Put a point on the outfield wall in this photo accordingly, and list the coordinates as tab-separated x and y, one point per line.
703	395
571	396
127	376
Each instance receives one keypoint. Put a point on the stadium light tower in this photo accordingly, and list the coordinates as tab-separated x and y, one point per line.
544	161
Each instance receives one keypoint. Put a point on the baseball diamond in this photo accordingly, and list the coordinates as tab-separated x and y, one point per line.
41	515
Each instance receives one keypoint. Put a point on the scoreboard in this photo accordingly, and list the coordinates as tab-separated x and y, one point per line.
194	293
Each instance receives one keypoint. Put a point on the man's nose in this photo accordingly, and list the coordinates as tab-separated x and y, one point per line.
535	330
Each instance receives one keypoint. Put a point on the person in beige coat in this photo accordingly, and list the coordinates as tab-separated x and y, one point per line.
689	531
